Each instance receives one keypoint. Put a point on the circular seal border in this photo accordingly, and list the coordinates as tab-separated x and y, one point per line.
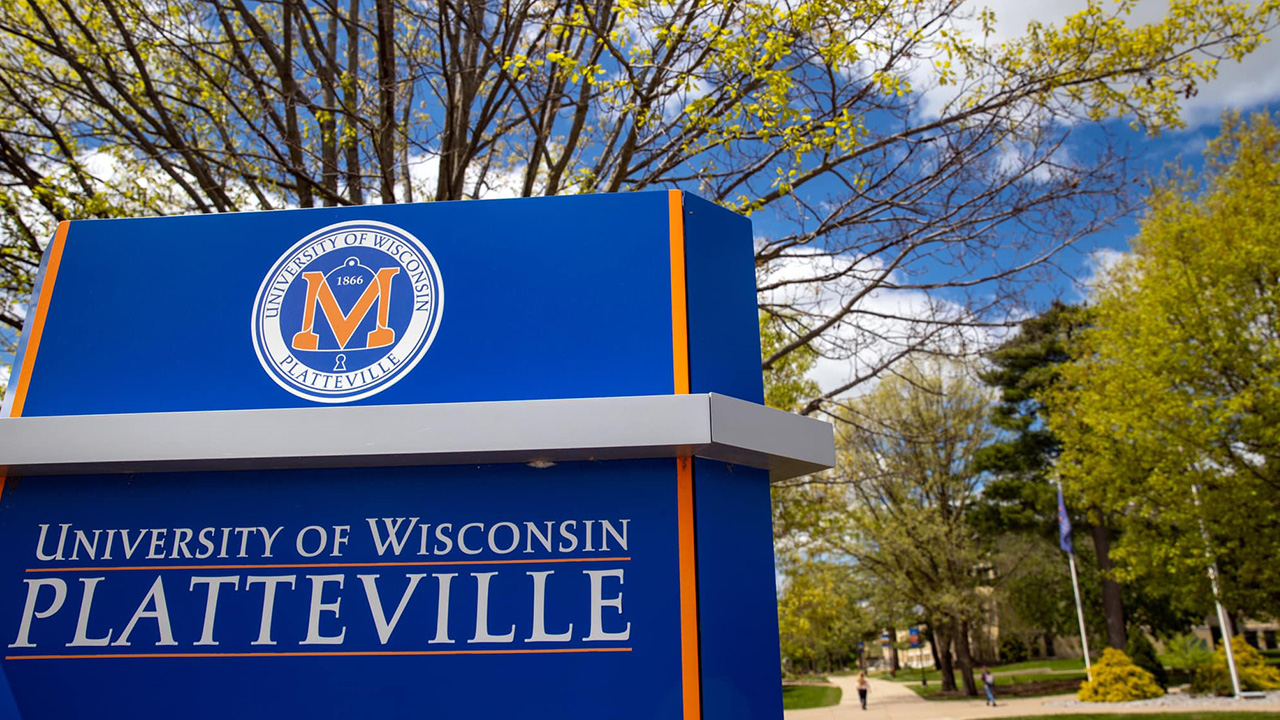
386	381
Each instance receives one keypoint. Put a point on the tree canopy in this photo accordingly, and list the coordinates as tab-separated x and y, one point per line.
889	149
1177	383
900	513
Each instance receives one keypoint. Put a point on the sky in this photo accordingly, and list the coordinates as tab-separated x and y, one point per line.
1250	85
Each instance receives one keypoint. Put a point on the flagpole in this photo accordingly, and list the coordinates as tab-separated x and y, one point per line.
1223	621
1064	541
1084	638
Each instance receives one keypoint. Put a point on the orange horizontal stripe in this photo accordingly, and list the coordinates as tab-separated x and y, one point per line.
327	565
376	653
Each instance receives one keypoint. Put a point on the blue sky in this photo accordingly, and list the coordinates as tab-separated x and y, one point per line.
1250	85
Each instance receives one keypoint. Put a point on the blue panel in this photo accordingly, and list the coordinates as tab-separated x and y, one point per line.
550	297
638	676
724	326
8	708
737	603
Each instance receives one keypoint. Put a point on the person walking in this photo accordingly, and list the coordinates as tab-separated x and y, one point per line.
989	684
863	687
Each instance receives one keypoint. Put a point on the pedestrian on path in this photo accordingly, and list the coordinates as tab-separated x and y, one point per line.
863	687
989	684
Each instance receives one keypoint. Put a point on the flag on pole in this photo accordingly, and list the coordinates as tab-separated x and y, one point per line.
1064	525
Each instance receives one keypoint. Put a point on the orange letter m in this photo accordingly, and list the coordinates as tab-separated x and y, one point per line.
344	324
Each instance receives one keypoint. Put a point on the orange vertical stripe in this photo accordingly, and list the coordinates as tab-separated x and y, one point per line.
37	323
689	661
679	302
2	479
688	592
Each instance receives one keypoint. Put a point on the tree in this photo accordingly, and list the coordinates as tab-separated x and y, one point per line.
1177	382
1034	593
892	151
1021	496
820	620
786	383
905	460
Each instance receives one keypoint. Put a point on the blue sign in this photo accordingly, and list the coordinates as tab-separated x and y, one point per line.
571	297
578	589
372	587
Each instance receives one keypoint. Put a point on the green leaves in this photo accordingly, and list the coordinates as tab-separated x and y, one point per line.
1177	382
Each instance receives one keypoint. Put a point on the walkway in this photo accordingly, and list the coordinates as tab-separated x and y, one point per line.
894	701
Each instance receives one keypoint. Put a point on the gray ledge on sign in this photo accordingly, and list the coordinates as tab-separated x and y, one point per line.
710	426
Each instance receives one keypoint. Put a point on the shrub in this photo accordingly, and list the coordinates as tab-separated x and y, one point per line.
1187	653
1117	679
1143	653
1255	674
1012	650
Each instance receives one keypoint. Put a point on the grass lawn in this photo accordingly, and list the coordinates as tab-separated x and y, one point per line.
800	697
1055	664
1031	685
909	675
806	678
1160	716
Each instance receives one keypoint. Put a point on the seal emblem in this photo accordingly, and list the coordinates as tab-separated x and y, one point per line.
347	311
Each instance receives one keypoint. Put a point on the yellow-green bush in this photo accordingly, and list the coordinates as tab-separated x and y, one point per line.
1117	679
1254	672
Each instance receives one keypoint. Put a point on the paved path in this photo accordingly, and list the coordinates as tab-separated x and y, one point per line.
894	701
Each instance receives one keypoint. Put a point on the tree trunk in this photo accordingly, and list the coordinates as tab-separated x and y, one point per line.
329	124
350	99
893	650
942	635
933	646
1112	604
385	47
1048	644
965	658
289	88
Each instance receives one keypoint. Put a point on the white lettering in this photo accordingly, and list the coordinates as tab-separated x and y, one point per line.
317	607
482	610
268	603
375	603
159	612
598	603
29	611
82	638
539	633
211	603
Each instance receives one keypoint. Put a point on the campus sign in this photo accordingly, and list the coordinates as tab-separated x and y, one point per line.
257	466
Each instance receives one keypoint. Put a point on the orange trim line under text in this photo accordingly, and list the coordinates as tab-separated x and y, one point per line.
531	561
372	653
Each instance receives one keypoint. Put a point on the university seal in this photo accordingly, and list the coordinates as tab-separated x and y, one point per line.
347	311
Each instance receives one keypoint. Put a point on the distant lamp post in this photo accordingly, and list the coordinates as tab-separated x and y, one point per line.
913	636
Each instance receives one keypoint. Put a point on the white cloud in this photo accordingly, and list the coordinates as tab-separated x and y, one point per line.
1247	84
881	325
1098	265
